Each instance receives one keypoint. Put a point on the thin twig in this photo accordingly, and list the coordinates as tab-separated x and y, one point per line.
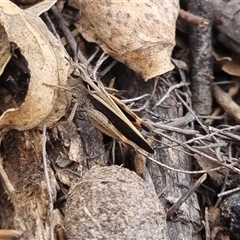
206	225
182	121
222	164
222	190
179	170
177	205
136	98
167	94
49	189
9	187
217	132
191	111
50	25
102	59
113	151
141	108
222	194
171	128
214	145
192	19
67	33
108	68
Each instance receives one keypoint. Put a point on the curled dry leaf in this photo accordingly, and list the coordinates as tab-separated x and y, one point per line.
230	63
140	34
47	64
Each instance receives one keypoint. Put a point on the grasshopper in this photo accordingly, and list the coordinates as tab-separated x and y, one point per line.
104	113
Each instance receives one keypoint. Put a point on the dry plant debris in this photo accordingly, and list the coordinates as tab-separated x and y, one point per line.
116	191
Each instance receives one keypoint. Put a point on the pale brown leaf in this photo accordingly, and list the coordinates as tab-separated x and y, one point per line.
5	54
140	34
47	64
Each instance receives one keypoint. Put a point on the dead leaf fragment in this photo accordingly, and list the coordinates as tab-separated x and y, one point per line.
140	34
230	63
47	64
41	7
5	54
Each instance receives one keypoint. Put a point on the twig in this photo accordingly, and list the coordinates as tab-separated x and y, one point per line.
182	121
113	151
233	90
108	68
102	59
227	134
92	57
49	189
73	111
214	145
192	19
67	33
141	108
136	98
167	94
206	224
191	111
176	206
222	189
227	103
9	187
50	25
179	170
222	194
173	129
200	153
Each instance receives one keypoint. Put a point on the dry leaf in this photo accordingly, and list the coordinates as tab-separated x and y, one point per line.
47	64
140	34
230	63
41	7
5	54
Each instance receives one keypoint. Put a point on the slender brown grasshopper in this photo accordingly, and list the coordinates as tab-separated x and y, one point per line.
106	112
